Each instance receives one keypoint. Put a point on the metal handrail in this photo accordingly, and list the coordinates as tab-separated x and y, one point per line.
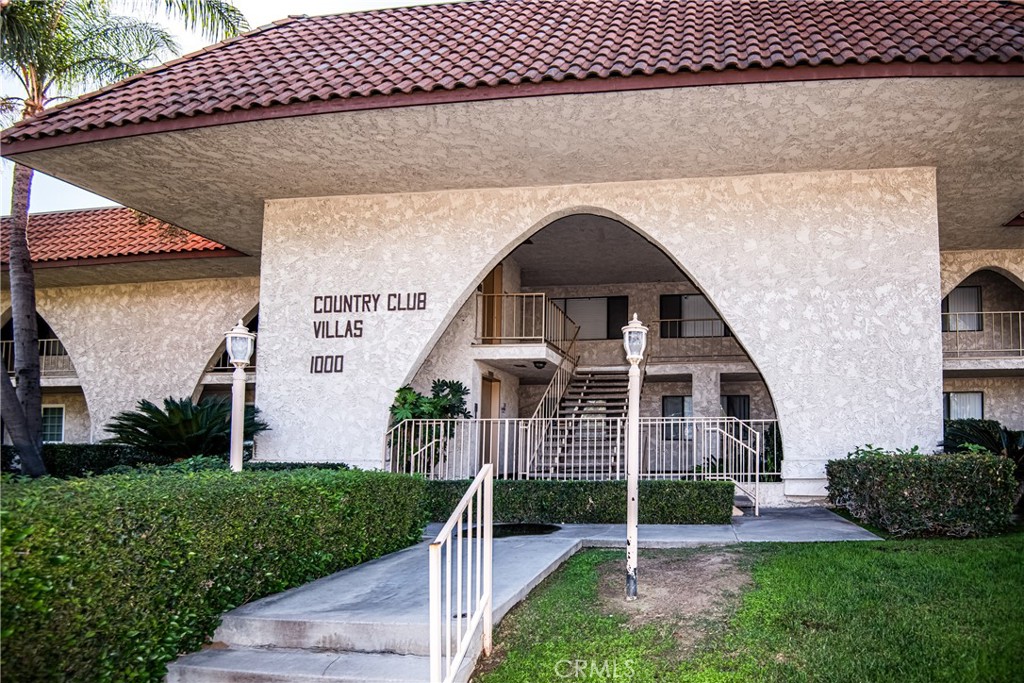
978	334
523	318
547	407
473	580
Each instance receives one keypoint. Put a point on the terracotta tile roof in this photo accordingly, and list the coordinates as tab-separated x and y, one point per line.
493	48
105	233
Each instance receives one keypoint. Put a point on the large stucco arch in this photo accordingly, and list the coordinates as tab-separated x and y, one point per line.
809	270
142	341
957	266
246	319
529	232
67	388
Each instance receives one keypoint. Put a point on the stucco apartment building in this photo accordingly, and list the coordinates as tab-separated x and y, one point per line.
816	207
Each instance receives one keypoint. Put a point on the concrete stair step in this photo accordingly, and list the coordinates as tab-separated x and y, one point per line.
336	634
276	665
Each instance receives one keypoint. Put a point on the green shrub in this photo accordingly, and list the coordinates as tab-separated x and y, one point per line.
591	502
108	578
181	429
65	460
909	494
202	463
958	433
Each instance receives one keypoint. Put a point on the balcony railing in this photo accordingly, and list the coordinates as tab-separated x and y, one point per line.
998	334
693	338
583	448
54	360
223	364
523	318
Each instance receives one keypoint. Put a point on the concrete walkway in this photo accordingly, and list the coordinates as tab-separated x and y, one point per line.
369	623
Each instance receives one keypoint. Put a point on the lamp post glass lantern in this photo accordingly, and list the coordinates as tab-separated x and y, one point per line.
634	340
239	343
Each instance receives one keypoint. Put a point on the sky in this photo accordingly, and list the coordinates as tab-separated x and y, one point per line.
50	194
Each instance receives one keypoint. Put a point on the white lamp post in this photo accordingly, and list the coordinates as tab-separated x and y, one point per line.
634	339
240	343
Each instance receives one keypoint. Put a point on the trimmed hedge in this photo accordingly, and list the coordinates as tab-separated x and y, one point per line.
109	578
956	494
203	463
64	460
591	502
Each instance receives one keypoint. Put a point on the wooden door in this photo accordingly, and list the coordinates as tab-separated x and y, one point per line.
490	409
492	290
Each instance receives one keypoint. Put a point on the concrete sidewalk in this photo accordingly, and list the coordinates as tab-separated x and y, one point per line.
369	622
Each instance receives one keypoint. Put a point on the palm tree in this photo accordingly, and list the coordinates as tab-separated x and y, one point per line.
53	48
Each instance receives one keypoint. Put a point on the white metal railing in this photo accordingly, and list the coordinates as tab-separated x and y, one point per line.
686	328
551	399
461	601
523	318
54	360
222	363
995	334
745	451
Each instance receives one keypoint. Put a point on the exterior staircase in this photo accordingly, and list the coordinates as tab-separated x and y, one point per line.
588	438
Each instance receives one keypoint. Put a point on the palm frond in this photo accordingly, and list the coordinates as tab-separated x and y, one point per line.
181	429
214	19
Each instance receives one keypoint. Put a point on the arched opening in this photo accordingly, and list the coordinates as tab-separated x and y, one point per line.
982	317
982	346
540	340
216	380
65	410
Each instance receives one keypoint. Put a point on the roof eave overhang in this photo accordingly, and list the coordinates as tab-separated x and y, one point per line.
12	148
131	258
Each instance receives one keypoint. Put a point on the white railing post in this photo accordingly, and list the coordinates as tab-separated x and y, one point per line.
488	603
473	586
435	613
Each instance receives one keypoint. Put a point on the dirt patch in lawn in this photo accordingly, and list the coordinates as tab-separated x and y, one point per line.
693	593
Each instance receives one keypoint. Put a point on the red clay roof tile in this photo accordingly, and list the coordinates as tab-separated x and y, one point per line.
101	233
493	44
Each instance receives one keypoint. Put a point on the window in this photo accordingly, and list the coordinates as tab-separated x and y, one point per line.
676	406
599	317
689	315
737	406
53	424
962	310
962	405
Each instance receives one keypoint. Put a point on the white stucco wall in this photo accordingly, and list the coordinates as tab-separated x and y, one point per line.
1003	397
146	340
830	280
958	265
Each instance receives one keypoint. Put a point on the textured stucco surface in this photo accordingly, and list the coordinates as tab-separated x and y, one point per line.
77	427
1004	397
145	340
760	401
958	265
969	128
808	269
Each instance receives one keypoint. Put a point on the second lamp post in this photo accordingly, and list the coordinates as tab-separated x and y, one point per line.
634	338
240	343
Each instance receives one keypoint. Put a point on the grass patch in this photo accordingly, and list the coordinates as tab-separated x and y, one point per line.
923	610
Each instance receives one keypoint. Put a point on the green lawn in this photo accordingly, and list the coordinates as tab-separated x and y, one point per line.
924	610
